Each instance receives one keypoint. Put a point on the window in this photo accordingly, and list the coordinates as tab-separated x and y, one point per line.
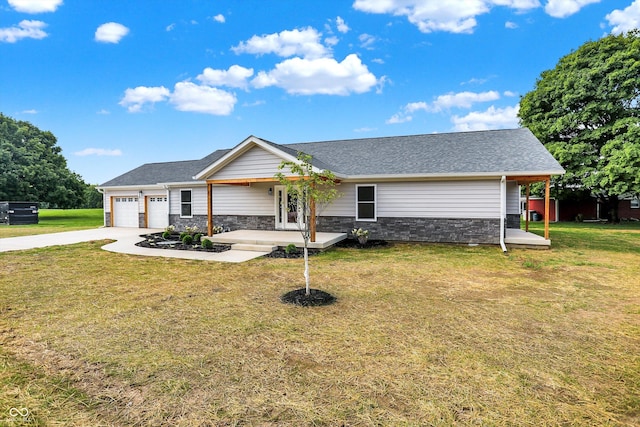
185	203
635	204
366	203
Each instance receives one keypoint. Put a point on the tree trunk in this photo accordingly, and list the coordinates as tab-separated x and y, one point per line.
611	209
306	269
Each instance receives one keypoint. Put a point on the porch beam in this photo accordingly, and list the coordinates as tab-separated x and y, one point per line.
209	210
528	178
248	181
241	181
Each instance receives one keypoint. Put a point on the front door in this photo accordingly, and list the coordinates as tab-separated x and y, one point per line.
289	214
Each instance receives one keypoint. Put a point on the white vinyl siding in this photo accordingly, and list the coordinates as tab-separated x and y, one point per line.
428	199
125	193
241	200
255	163
513	198
198	201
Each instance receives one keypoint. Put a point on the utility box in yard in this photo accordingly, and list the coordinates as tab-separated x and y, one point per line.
19	213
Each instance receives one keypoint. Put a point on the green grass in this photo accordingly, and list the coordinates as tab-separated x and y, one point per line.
420	335
55	221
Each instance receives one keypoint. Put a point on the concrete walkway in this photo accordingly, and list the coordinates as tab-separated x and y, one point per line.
125	240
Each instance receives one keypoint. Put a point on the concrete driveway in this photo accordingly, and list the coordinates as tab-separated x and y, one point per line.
125	240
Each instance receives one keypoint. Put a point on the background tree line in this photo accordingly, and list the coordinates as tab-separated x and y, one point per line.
586	111
32	168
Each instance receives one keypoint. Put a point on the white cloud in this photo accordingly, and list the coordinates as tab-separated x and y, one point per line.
564	8
111	32
135	99
398	118
32	111
443	102
170	27
235	76
25	30
318	76
305	43
454	16
510	25
219	18
104	112
341	25
35	6
492	118
462	100
98	152
254	103
331	41
366	41
509	93
626	19
188	96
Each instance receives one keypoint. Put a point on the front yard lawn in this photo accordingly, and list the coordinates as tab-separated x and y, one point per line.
55	221
419	335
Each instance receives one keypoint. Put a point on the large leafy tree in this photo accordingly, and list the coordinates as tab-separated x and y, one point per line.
32	167
587	113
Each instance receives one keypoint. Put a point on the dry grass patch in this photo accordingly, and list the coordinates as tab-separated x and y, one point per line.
420	335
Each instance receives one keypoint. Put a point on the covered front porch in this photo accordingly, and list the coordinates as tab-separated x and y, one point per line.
276	238
524	238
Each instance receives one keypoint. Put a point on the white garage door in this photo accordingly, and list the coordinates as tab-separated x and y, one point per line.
125	212
158	212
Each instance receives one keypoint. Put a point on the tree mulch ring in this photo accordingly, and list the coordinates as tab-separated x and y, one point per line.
353	243
156	241
299	253
315	298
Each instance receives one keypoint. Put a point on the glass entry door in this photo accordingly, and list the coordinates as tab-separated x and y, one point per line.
289	215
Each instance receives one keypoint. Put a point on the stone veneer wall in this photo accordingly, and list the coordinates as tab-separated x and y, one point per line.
513	221
434	230
107	219
228	222
199	221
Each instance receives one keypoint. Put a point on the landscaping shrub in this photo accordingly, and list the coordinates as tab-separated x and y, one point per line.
291	248
187	239
207	244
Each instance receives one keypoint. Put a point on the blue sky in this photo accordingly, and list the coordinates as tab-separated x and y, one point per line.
121	83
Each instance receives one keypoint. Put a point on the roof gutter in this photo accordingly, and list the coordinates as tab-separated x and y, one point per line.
503	210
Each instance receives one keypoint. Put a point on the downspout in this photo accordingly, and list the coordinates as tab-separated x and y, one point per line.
104	217
503	210
166	187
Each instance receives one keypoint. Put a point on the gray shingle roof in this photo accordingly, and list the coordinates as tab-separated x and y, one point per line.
496	151
499	152
155	173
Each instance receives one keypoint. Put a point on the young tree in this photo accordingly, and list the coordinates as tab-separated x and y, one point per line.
313	190
587	113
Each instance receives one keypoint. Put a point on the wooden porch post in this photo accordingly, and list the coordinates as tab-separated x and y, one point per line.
312	226
209	210
526	221
546	207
